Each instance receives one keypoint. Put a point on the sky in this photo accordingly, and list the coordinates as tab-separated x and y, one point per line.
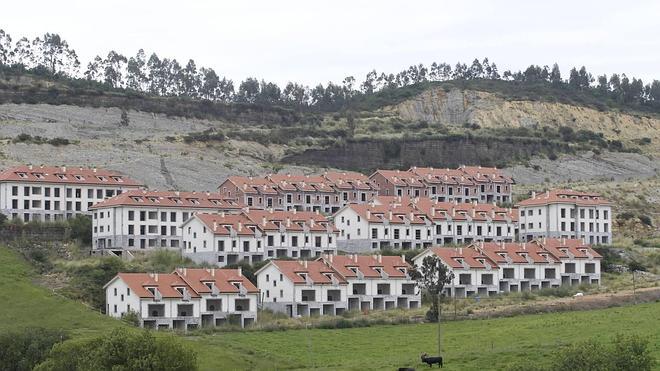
319	41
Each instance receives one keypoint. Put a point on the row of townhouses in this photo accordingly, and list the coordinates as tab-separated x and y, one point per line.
329	285
465	184
184	299
256	235
405	222
48	193
488	268
325	193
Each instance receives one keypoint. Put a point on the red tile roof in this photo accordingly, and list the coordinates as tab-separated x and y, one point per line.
564	196
515	253
188	200
250	221
316	270
66	175
224	279
563	248
166	284
437	210
367	265
400	178
392	213
472	258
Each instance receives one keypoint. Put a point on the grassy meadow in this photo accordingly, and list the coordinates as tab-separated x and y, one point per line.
468	345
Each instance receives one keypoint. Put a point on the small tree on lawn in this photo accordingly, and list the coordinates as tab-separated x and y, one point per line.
432	277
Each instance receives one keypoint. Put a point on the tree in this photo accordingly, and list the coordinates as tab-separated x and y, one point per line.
81	228
603	85
5	48
93	71
248	91
24	349
136	76
122	349
574	79
432	276
350	123
23	54
555	75
476	70
124	120
54	53
113	66
191	80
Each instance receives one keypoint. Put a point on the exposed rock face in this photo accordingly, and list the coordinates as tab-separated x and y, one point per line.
458	107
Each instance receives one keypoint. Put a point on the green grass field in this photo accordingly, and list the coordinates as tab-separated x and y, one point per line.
469	345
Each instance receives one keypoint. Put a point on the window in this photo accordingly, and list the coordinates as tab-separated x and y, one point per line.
294	241
131	215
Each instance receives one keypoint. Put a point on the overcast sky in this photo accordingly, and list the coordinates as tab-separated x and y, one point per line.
313	41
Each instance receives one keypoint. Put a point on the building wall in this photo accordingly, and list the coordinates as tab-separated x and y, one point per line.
591	224
118	296
52	201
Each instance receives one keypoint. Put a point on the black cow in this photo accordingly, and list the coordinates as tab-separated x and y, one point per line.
431	360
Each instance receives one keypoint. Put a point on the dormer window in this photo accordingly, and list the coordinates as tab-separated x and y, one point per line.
79	177
176	200
152	290
22	175
181	290
61	176
117	179
137	199
102	178
209	285
237	285
153	199
194	201
353	269
38	175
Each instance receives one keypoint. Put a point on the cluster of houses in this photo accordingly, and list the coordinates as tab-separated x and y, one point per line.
322	236
189	298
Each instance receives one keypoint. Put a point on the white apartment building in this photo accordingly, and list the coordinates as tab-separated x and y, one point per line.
256	235
142	220
579	262
523	266
48	193
403	222
562	213
376	282
302	288
185	299
474	273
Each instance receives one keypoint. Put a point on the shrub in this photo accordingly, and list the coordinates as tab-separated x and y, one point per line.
81	229
24	349
646	220
122	349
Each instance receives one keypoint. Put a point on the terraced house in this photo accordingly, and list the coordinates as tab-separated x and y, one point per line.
564	213
302	288
496	267
474	272
256	235
376	282
184	299
49	193
140	219
324	193
404	222
465	184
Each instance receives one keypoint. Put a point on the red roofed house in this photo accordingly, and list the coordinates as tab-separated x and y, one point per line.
55	193
564	213
257	235
185	299
324	193
302	288
405	222
523	266
474	272
376	281
579	262
141	220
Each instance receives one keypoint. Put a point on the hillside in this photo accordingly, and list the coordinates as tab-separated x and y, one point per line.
192	145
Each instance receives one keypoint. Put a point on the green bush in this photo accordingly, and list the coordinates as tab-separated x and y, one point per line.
24	349
81	229
121	350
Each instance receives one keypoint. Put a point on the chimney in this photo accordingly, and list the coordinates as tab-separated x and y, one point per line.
311	222
355	258
247	209
368	214
474	212
212	272
492	213
453	212
547	194
390	214
30	167
543	240
222	214
433	211
305	264
294	211
330	257
240	227
412	216
460	251
215	226
403	258
263	221
185	271
240	271
317	212
156	277
380	258
533	194
64	169
288	222
524	245
176	193
474	202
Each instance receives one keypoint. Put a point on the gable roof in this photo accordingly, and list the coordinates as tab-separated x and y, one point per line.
249	221
567	196
176	199
223	279
515	253
567	248
367	265
66	175
463	258
315	270
166	284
